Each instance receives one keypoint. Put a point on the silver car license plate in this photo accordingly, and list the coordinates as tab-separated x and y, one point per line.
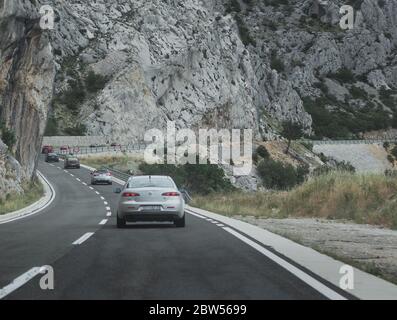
151	208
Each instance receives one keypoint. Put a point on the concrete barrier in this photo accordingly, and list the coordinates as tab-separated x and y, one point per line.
82	141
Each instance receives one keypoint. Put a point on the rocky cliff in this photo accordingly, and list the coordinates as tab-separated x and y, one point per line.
230	63
27	73
125	66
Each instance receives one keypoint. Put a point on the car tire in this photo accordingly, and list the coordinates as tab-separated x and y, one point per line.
180	223
120	222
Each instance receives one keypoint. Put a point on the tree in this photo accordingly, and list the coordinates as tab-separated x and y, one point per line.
291	131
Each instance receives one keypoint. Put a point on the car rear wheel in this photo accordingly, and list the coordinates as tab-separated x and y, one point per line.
120	222
180	223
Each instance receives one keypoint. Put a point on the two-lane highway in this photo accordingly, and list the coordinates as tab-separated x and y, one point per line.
92	259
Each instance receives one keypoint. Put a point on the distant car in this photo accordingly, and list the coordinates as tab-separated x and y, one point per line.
64	148
72	162
52	157
47	149
150	198
101	176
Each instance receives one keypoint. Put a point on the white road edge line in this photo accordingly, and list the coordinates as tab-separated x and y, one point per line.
83	238
317	285
196	215
103	222
19	282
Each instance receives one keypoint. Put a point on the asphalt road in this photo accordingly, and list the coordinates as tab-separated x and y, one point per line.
145	261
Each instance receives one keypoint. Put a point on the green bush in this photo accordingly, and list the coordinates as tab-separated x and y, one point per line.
74	96
394	151
279	176
343	75
8	136
276	63
197	178
262	152
95	82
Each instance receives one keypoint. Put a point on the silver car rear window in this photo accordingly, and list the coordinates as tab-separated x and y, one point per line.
154	182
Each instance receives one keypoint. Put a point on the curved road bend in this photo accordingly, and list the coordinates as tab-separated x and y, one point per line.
151	261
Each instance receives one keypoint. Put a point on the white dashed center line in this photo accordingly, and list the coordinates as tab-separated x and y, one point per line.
108	208
102	198
105	203
104	221
91	188
83	238
109	214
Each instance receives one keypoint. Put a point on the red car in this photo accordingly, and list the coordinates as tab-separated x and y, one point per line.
47	149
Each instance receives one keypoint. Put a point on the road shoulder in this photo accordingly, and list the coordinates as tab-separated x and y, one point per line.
366	286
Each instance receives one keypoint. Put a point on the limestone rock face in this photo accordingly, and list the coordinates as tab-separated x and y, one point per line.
27	73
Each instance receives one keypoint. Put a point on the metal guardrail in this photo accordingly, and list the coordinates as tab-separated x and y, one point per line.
77	150
118	174
364	141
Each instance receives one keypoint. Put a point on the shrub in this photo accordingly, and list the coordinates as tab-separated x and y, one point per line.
8	136
74	96
280	176
394	151
197	178
95	82
276	63
386	145
262	152
343	75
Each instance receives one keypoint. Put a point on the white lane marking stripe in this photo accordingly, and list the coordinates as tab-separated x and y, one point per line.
19	282
91	188
104	221
102	198
105	203
215	222
323	289
97	192
83	238
78	179
196	215
84	183
108	208
220	225
109	214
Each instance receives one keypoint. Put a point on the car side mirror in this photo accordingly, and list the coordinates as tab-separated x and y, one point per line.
117	190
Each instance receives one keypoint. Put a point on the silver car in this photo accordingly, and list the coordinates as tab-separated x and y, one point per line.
150	198
101	176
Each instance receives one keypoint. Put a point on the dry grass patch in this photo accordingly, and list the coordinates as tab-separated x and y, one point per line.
368	199
33	191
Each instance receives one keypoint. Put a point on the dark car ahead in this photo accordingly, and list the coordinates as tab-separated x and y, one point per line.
47	149
52	157
72	162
